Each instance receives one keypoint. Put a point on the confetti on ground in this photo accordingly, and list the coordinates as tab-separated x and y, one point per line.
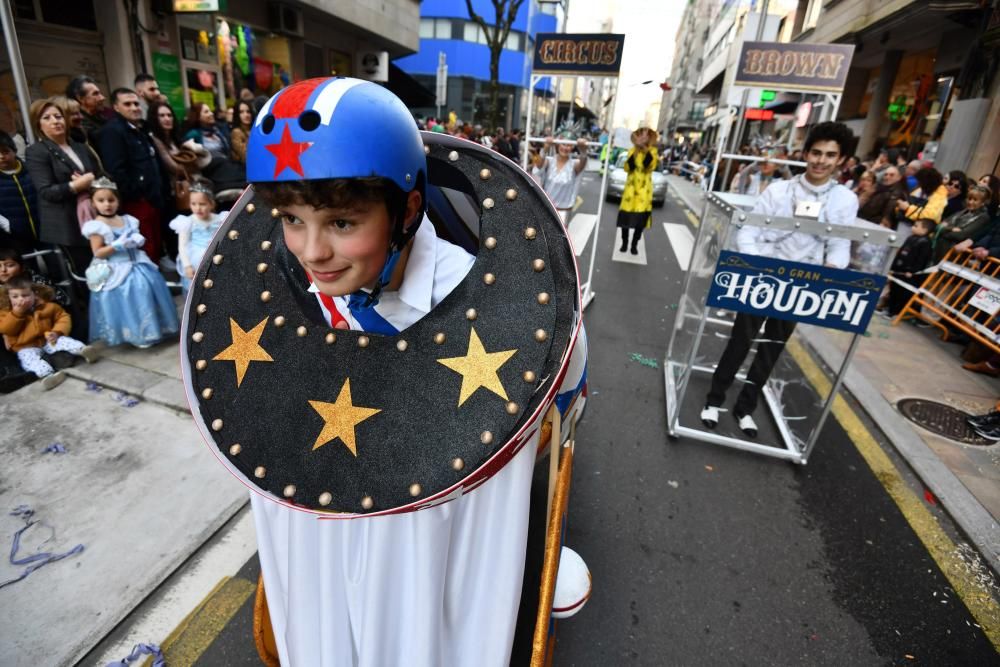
645	361
126	400
909	657
94	387
709	468
673	306
929	497
54	448
883	335
868	334
672	483
140	650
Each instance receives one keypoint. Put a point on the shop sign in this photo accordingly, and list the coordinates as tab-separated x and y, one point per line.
805	67
167	70
598	54
181	6
819	295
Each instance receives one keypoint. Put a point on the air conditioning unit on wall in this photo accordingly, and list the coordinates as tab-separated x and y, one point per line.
284	19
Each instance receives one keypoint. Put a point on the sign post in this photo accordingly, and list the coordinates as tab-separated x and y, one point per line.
593	55
441	89
790	67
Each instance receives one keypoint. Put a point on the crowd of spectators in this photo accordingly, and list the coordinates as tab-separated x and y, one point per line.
131	144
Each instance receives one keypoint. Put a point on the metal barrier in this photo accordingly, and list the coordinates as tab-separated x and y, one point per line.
964	292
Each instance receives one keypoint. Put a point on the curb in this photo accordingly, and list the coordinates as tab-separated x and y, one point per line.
970	515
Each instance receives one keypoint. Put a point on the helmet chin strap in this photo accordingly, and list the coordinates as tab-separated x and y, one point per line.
400	237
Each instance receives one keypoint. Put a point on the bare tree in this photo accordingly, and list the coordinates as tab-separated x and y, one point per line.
496	37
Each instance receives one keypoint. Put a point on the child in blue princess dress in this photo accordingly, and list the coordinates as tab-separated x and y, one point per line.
129	299
195	232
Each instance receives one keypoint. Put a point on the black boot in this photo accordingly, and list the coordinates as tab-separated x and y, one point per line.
635	242
624	239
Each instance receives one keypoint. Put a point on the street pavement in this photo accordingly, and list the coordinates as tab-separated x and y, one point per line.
700	555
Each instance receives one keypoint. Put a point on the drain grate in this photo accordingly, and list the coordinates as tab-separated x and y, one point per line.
942	419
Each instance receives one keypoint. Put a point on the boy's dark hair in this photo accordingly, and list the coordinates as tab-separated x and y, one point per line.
7	141
336	193
11	253
929	179
143	78
927	223
830	131
118	92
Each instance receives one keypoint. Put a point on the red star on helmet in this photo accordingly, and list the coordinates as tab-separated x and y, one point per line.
287	152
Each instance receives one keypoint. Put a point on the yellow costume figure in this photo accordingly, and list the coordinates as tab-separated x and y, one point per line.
637	199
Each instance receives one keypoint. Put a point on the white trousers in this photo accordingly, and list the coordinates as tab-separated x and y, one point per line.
438	587
31	357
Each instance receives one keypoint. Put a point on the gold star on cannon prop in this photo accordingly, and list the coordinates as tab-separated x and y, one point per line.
478	368
244	348
340	419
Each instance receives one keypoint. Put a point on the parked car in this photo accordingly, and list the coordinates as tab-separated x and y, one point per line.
616	183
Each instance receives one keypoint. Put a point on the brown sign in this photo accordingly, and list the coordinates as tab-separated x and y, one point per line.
598	54
803	67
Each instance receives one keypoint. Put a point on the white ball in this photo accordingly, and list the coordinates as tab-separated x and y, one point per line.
573	585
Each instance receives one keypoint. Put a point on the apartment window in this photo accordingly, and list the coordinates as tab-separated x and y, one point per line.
513	42
426	28
442	28
471	32
812	14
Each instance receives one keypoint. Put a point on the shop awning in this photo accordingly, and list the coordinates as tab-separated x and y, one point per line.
408	89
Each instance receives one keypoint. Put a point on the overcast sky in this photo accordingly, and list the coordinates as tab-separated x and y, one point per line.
650	27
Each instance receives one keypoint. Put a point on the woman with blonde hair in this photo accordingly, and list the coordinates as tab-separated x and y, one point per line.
635	211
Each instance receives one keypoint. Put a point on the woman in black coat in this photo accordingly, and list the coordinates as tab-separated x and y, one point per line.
62	171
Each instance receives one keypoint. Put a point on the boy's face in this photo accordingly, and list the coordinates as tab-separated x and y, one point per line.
9	269
343	249
22	299
920	229
822	158
8	159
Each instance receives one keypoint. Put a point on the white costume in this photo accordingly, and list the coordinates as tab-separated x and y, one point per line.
839	206
431	588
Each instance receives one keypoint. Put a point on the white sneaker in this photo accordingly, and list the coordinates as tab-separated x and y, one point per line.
710	416
90	354
53	381
747	425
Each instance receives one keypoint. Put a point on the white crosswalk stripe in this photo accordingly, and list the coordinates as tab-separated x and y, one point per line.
681	241
627	257
580	229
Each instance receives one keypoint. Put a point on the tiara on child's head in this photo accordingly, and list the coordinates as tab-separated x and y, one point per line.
103	183
200	186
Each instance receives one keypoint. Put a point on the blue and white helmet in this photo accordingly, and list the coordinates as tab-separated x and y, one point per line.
336	128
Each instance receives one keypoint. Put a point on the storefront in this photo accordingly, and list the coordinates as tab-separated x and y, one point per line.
219	59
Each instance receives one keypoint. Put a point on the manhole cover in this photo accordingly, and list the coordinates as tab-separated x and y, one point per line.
941	419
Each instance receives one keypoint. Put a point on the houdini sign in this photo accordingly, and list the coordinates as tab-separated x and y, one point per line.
808	67
598	54
820	295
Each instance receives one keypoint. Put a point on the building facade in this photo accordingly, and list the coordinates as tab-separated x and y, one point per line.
205	56
446	28
682	110
924	77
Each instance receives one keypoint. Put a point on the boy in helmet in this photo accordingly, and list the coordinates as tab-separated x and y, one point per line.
343	166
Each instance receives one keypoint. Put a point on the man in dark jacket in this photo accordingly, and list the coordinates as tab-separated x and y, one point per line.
130	159
85	90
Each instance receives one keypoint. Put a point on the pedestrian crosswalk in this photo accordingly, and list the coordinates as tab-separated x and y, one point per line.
681	242
627	257
580	228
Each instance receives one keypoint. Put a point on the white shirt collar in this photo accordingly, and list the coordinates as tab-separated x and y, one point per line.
417	289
